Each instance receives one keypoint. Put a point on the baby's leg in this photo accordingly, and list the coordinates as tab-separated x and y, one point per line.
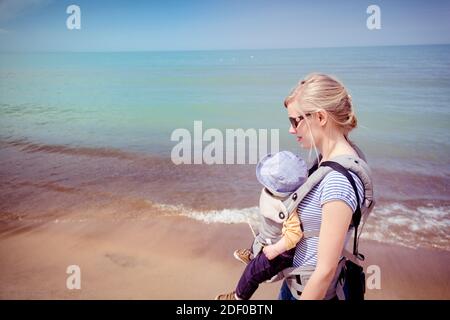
261	269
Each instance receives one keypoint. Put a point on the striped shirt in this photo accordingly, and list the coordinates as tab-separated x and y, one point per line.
334	186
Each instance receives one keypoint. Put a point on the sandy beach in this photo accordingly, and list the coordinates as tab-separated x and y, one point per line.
172	257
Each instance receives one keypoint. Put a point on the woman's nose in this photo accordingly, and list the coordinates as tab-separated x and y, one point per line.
292	130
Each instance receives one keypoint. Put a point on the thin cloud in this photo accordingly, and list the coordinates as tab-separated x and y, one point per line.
10	9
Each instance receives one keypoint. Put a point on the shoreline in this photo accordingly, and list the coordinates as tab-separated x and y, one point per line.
172	257
91	182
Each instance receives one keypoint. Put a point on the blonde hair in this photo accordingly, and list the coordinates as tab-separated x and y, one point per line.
323	92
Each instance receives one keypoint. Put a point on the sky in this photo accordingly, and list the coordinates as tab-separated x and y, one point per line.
40	25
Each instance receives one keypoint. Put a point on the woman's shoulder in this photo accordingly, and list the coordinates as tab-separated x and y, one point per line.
336	177
336	186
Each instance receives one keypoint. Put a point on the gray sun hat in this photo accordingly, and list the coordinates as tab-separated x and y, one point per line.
281	173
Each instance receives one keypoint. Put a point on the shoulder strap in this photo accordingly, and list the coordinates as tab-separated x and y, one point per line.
342	164
356	217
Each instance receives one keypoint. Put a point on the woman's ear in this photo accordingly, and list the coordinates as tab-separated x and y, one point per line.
322	116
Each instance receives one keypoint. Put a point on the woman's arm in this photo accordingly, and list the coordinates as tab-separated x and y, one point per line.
336	217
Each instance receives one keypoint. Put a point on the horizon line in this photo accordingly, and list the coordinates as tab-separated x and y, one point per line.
239	49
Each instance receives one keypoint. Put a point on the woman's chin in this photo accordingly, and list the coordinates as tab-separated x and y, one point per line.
304	145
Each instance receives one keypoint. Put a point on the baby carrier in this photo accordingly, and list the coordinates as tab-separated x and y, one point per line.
349	280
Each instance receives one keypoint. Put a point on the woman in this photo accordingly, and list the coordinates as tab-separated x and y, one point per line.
321	114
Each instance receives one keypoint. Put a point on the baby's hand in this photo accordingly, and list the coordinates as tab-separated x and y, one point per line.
271	251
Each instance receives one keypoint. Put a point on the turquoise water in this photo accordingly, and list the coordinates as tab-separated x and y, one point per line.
63	114
133	101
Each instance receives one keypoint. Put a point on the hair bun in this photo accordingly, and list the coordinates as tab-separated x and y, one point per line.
352	122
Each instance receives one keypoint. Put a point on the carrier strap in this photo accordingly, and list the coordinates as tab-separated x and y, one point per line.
311	233
297	277
356	217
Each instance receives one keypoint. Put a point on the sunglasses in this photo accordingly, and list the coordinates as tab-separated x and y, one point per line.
296	121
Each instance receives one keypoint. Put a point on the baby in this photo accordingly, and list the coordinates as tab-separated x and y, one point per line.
279	232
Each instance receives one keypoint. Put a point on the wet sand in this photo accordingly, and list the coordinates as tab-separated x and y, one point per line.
174	257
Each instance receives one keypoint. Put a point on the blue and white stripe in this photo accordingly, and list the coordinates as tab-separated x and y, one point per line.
334	186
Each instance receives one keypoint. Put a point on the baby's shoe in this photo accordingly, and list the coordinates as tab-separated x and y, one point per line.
243	255
226	296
